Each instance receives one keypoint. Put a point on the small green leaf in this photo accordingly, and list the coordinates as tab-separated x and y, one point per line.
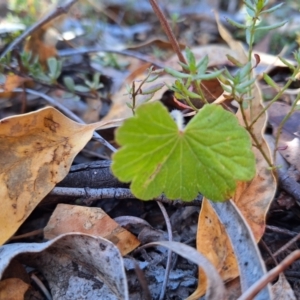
236	24
245	70
69	83
226	88
177	74
272	9
284	61
209	155
202	65
208	76
270	27
250	12
152	89
191	59
189	93
81	88
234	61
242	86
53	65
270	81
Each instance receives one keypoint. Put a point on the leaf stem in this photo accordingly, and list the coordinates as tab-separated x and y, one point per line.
257	144
188	100
286	86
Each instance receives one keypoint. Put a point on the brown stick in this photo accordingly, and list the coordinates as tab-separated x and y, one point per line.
270	276
167	29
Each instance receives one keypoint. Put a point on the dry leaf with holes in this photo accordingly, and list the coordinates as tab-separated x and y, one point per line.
89	220
37	151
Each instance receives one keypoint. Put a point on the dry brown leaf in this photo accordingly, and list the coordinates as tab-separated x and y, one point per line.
252	198
37	151
12	81
37	47
213	242
13	289
89	220
282	289
93	110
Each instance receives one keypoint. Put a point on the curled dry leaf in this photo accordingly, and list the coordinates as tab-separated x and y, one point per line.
76	266
37	151
89	220
252	198
250	263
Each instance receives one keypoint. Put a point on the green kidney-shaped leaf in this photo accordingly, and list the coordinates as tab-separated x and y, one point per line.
209	155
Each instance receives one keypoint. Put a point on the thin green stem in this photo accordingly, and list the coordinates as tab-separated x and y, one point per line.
254	138
251	41
188	100
286	86
200	92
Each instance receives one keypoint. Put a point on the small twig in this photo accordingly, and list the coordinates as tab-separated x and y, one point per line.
63	9
169	259
28	234
272	257
270	276
281	230
289	184
95	154
143	282
92	194
257	144
84	50
67	112
286	246
168	31
42	287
